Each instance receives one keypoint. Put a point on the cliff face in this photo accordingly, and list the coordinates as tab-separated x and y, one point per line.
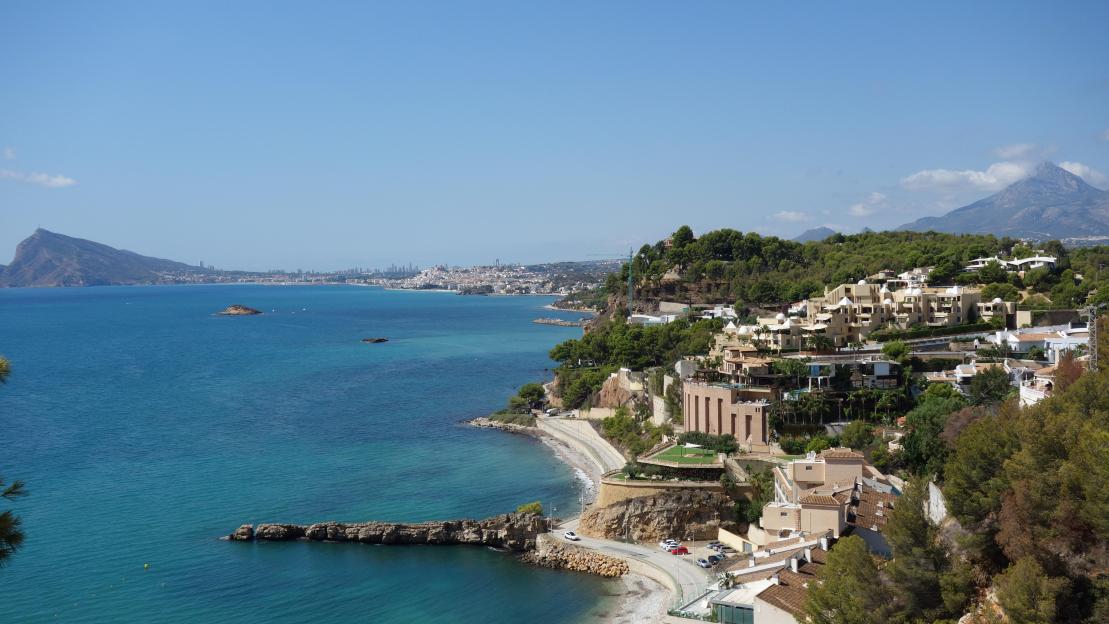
678	515
512	531
612	394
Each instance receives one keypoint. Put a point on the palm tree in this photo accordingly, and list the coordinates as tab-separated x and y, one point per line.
11	537
821	342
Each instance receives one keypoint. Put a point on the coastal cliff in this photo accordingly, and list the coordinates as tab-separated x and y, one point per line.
650	518
515	531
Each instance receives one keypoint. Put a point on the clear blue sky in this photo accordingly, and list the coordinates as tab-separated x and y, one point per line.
280	134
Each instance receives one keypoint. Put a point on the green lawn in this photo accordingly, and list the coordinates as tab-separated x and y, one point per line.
680	455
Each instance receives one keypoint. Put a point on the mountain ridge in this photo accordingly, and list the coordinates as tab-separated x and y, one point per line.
1052	203
47	258
814	234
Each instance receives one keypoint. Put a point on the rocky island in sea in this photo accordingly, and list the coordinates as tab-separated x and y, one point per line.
237	309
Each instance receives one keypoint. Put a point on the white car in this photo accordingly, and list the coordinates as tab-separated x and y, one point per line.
667	544
570	535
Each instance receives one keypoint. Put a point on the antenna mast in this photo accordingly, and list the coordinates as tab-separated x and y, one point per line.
630	282
1091	326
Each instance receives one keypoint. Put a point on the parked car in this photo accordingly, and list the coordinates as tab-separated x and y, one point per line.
679	550
667	544
570	535
715	559
704	563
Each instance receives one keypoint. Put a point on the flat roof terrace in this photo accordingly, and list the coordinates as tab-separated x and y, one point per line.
678	456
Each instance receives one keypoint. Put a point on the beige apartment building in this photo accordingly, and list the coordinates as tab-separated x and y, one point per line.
855	310
849	312
726	409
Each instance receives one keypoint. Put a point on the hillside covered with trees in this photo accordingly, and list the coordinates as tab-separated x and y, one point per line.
753	270
1029	526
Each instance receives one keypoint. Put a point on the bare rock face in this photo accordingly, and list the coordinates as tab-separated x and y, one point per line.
511	531
679	515
612	394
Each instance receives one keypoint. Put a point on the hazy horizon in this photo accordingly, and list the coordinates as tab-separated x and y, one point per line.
255	136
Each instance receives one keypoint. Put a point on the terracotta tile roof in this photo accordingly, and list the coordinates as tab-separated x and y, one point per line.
841	453
873	509
791	592
820	499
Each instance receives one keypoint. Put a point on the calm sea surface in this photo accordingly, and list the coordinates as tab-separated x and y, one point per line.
145	428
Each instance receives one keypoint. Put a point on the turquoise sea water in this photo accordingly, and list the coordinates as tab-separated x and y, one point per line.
145	428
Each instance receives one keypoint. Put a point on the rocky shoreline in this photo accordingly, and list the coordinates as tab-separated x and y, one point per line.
488	423
559	556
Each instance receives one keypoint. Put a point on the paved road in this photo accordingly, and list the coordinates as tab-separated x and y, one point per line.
687	575
582	436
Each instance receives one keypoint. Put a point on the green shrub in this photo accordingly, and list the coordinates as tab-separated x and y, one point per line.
534	507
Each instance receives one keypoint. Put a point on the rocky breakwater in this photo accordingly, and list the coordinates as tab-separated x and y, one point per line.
516	532
561	556
679	515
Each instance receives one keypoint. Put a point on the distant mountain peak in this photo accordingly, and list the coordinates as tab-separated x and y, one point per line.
814	234
46	258
1050	203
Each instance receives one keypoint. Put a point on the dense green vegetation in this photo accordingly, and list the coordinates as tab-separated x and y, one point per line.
530	396
753	270
632	433
1027	487
762	492
585	363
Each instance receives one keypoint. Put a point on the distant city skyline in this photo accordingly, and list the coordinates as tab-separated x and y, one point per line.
255	136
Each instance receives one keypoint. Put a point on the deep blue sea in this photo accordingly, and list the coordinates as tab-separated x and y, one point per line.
145	427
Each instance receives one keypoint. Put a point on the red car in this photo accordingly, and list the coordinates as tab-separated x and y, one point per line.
679	550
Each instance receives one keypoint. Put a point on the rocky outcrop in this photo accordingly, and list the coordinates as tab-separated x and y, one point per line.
489	423
560	556
238	310
515	531
681	515
613	394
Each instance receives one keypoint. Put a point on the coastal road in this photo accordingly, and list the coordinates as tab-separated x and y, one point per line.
581	435
692	579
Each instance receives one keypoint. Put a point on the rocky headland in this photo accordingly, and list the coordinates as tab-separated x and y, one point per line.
237	309
515	531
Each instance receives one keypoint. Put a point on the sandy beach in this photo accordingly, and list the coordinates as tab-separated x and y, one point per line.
640	599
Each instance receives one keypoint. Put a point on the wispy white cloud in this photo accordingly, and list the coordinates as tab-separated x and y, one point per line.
41	179
997	176
868	206
1084	172
791	215
1016	150
9	153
